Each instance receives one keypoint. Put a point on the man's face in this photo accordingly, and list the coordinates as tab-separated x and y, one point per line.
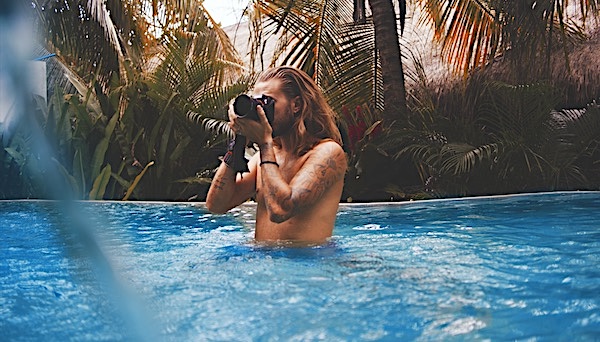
284	108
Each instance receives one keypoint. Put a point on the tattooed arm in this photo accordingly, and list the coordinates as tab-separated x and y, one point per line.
325	166
229	190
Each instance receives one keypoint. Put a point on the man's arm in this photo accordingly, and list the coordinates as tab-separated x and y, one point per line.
229	190
326	165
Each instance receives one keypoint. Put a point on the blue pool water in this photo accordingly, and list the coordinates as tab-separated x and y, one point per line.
501	268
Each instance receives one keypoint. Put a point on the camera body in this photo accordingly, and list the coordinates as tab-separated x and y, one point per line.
244	106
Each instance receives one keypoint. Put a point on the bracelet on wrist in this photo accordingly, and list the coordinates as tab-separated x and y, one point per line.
228	158
269	162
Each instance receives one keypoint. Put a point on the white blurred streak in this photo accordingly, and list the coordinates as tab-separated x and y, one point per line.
16	49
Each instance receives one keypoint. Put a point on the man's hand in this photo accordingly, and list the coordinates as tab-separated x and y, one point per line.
259	132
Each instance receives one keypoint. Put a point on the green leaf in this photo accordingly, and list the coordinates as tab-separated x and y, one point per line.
79	171
100	183
164	143
136	181
122	181
180	149
102	147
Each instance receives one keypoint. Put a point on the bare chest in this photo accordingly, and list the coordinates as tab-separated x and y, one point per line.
288	169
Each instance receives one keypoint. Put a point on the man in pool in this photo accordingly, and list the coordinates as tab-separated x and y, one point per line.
297	176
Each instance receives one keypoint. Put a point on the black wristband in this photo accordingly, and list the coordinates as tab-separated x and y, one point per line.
228	157
269	162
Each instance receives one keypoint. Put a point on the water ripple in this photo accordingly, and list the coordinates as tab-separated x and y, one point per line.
508	268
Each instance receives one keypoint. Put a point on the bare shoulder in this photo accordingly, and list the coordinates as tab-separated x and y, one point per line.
328	155
322	172
328	149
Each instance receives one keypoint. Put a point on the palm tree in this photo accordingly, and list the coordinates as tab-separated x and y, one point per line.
388	48
97	37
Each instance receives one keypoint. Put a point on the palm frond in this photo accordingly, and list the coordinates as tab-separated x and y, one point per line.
78	39
321	38
100	13
468	30
582	124
461	158
472	32
354	77
214	125
191	66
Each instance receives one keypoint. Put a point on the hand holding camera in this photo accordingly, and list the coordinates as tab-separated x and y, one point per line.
244	116
245	107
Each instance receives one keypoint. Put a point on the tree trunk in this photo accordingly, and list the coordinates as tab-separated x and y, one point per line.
388	44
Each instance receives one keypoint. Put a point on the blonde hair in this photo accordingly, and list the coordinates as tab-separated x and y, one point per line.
317	121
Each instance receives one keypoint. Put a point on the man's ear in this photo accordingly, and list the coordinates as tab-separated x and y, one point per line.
296	105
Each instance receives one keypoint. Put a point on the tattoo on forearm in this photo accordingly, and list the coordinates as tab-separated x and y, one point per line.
312	184
219	184
272	191
266	146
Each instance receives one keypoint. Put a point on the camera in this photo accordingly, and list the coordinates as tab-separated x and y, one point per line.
244	106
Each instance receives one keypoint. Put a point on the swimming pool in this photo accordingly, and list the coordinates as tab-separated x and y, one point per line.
522	267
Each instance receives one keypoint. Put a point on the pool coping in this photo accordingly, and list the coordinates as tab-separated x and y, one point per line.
375	203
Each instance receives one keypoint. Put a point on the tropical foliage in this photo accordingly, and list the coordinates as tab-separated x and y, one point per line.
448	149
473	33
494	137
18	156
321	38
153	80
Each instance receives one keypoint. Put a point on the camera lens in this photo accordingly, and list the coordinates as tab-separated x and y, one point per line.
244	106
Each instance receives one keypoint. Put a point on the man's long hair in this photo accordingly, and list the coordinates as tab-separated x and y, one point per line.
316	120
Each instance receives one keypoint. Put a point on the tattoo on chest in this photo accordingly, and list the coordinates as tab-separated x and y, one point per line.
321	178
312	183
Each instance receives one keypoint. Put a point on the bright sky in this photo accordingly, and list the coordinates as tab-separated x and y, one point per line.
227	12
